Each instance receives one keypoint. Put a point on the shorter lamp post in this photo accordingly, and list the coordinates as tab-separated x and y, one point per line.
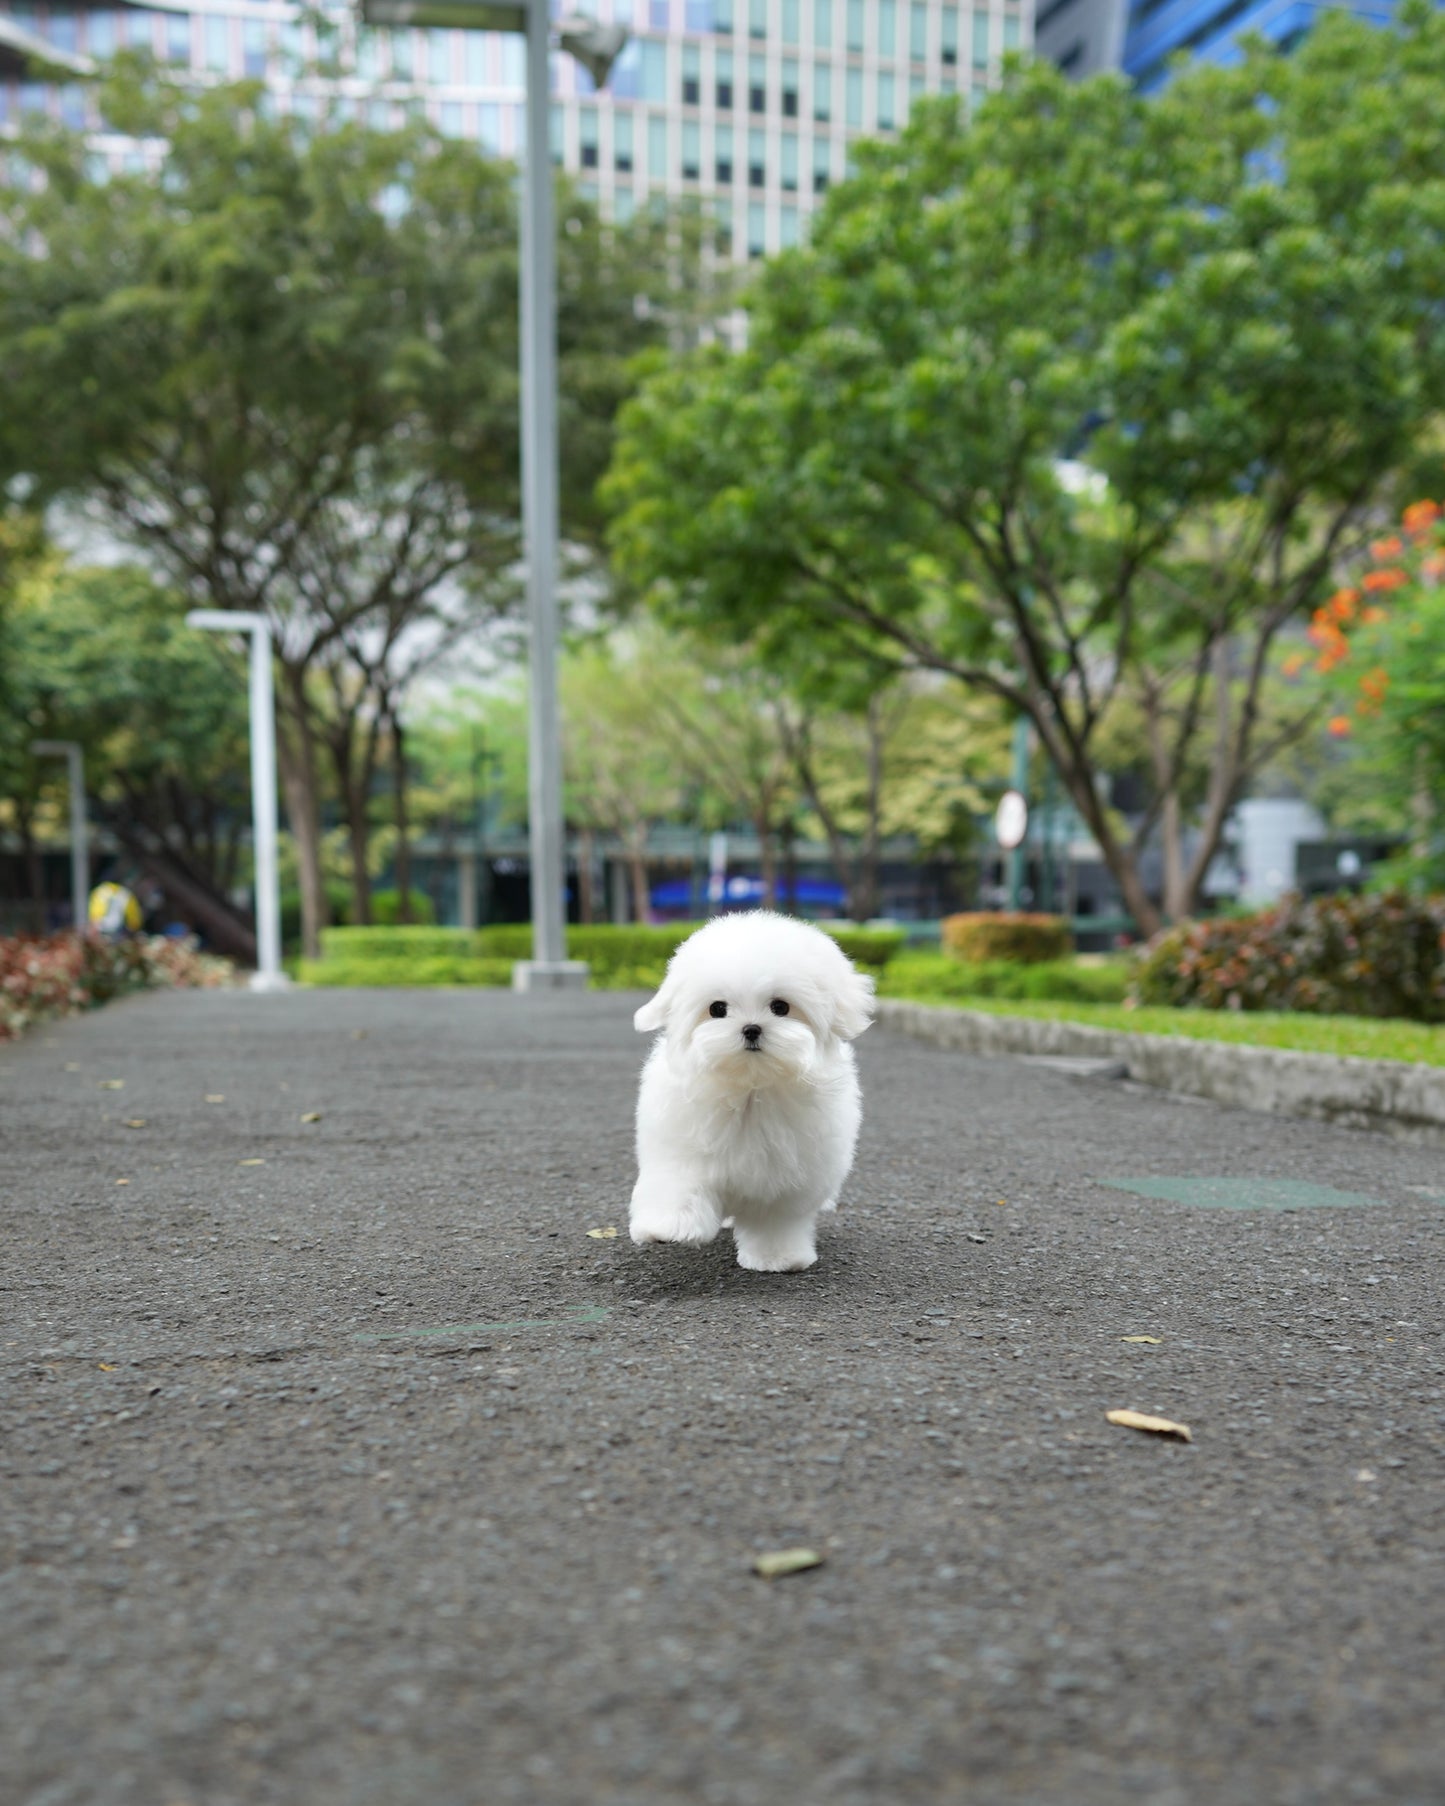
70	751
268	975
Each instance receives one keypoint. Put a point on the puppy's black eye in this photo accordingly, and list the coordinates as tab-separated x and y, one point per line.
717	1009
778	1007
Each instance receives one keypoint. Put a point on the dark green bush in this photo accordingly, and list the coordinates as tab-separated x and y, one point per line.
985	935
338	907
871	948
386	908
1333	956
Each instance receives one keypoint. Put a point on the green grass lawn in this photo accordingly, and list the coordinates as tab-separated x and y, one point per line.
1364	1037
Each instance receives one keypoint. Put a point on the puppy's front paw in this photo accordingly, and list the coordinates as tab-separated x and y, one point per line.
787	1250
694	1222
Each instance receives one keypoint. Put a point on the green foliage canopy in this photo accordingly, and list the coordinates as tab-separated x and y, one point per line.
1079	401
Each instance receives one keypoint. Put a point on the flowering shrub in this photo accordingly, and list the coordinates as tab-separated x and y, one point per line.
993	935
62	973
1353	627
1346	955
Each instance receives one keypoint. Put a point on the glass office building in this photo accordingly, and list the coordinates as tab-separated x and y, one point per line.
750	104
1141	36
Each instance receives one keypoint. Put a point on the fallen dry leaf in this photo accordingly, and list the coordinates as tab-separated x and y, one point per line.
122	1181
215	1097
1161	1426
250	1163
312	1116
111	1085
602	1235
106	1366
135	1122
778	1562
1153	1339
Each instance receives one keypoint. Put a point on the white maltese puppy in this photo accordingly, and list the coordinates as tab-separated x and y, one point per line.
749	1108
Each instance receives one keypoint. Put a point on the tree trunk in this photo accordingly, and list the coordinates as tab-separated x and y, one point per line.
193	900
767	860
790	866
1171	820
586	903
296	754
34	870
637	871
403	831
863	898
1422	814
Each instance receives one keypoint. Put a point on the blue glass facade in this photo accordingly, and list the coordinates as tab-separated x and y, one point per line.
1209	30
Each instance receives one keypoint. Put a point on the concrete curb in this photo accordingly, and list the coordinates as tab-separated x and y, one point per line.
1387	1095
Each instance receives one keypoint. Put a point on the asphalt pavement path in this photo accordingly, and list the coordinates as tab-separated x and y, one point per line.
340	1466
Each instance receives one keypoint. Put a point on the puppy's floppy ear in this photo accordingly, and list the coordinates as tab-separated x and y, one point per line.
653	1014
852	1010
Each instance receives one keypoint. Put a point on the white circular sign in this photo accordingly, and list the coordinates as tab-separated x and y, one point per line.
1011	820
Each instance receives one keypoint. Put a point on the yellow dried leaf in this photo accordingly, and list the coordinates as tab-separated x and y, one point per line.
135	1122
1155	1340
1160	1426
215	1097
112	1085
106	1366
602	1235
312	1116
778	1562
122	1181
250	1163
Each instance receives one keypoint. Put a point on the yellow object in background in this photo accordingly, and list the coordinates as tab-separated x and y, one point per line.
114	910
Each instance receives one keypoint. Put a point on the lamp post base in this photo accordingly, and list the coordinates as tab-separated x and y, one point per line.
549	975
268	983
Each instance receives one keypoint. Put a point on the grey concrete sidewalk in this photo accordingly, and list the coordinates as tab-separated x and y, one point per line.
363	1476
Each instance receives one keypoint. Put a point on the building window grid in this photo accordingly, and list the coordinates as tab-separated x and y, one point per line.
878	32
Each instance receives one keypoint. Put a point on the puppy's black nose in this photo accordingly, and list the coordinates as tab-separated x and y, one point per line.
752	1034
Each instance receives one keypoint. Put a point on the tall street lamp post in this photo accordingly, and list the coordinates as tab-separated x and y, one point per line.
70	751
596	47
268	975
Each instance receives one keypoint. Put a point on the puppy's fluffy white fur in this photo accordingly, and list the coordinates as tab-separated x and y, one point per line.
749	1107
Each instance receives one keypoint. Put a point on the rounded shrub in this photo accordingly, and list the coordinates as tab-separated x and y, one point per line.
987	935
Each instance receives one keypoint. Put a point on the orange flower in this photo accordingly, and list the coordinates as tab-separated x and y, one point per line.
1294	664
1340	726
1391	579
1372	616
1374	684
1434	565
1342	604
1382	549
1419	517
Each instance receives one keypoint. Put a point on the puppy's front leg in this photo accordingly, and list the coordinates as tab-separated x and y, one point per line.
668	1205
777	1243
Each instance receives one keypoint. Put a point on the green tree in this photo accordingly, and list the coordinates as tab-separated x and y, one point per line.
1081	403
102	655
284	363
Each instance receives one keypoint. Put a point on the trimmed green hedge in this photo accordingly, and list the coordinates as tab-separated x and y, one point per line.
399	943
620	957
406	969
940	977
